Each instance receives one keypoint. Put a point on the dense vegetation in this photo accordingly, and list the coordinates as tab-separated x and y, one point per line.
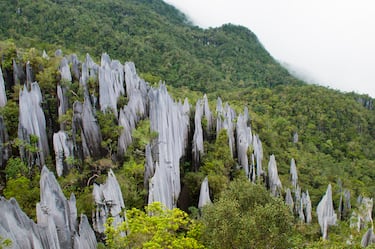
152	34
336	131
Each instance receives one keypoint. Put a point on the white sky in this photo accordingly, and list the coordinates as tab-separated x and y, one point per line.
331	42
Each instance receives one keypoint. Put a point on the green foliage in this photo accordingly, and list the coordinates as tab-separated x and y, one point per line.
25	191
7	53
246	216
156	227
16	167
130	178
110	130
10	114
5	243
157	37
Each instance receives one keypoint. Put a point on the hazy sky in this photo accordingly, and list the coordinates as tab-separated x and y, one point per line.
332	42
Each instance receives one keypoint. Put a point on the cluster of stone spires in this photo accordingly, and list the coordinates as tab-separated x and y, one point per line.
168	118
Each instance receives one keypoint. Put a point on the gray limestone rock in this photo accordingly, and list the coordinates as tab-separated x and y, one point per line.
244	139
207	114
273	177
289	200
32	120
57	226
53	205
18	73
225	118
59	53
136	108
45	55
4	147
307	207
258	156
3	97
368	238
325	212
65	70
197	145
63	148
111	83
85	123
204	196
29	74
109	202
293	173
171	121
75	68
363	215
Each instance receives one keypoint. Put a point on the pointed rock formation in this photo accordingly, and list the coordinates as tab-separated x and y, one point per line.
258	156
307	207
109	202
363	215
225	118
198	149
207	115
29	75
273	177
289	200
244	140
57	226
18	73
171	121
65	70
63	147
111	83
368	238
32	120
293	173
86	125
325	212
204	196
75	66
4	147
136	108
3	97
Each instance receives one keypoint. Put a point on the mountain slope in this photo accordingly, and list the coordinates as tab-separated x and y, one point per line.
154	35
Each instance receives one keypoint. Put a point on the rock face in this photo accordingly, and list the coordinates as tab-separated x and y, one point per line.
136	108
368	238
204	196
244	140
85	124
258	157
273	177
307	207
171	121
325	212
63	148
198	149
363	215
4	148
109	202
293	173
111	83
225	118
32	121
57	226
289	200
3	97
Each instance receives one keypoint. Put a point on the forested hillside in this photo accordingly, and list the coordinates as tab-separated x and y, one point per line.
152	34
329	134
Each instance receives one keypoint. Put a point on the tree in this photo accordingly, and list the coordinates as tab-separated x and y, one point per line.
247	216
156	227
